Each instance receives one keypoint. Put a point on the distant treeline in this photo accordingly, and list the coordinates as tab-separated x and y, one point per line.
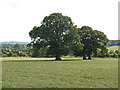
13	50
113	43
23	44
17	47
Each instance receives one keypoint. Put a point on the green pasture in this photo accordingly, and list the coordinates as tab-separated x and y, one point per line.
68	73
114	48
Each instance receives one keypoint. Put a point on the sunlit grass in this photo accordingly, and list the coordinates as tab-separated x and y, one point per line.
113	48
68	73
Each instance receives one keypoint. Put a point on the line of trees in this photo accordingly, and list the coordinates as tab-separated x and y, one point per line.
18	47
42	52
61	37
113	43
14	50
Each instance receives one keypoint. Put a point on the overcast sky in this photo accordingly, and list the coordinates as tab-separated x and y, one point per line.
18	17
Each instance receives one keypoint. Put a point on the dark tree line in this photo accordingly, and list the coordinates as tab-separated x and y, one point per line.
9	50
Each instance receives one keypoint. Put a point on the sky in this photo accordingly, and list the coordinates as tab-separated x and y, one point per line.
18	17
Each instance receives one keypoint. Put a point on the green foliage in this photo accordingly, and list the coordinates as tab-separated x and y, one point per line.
13	50
15	55
111	52
5	52
10	54
116	51
92	40
56	32
22	54
4	55
19	47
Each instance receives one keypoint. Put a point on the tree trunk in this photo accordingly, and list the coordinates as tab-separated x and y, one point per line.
89	58
84	57
58	58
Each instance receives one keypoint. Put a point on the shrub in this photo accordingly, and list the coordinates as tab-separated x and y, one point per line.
15	55
4	55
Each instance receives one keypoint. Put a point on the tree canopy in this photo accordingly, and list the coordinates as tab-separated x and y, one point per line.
60	36
92	40
57	32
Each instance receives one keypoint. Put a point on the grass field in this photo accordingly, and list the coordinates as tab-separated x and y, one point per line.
69	73
113	48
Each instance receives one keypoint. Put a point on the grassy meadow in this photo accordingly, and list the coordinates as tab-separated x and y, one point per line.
68	73
114	48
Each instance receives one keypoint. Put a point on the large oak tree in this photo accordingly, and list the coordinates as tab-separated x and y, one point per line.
58	33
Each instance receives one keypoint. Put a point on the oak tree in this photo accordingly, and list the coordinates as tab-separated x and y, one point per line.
57	32
92	40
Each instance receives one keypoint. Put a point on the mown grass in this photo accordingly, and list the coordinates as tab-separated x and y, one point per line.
69	73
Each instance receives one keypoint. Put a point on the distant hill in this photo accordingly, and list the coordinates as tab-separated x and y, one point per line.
14	42
110	43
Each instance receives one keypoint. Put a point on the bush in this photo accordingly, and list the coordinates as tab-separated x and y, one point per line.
107	55
15	55
116	51
115	55
10	54
4	52
111	52
22	54
4	55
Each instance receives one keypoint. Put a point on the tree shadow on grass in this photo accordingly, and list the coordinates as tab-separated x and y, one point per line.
43	60
71	60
